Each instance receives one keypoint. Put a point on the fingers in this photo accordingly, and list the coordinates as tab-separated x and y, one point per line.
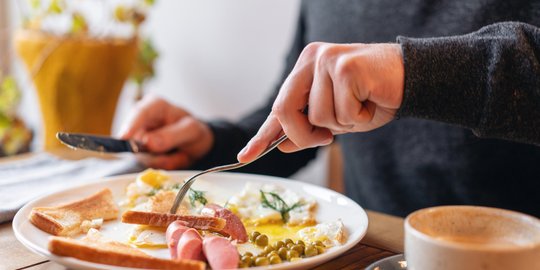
349	88
177	160
288	109
146	114
269	131
321	101
350	110
176	135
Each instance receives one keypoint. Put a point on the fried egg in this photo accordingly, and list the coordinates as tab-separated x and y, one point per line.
329	233
145	185
249	206
148	237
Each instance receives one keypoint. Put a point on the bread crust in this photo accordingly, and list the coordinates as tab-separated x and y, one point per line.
66	219
164	219
116	254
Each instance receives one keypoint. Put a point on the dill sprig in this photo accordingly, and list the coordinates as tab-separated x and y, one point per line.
278	204
197	196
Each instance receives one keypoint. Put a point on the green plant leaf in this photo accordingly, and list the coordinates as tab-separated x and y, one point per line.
9	95
35	4
144	66
78	24
56	7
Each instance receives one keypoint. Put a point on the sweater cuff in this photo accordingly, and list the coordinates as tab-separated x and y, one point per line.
442	80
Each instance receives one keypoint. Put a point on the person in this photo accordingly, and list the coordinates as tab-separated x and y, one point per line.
451	116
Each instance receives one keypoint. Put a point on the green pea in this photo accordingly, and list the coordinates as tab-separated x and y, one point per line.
292	254
279	244
243	265
311	251
319	243
300	242
287	241
272	253
268	249
261	240
254	235
289	245
295	259
282	252
320	249
247	260
261	261
275	259
248	254
299	249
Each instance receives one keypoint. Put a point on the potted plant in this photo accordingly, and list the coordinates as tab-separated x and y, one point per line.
78	63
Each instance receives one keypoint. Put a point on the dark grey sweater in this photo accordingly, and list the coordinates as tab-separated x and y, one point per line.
471	103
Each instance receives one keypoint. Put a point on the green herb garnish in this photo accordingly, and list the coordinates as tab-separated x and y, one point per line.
152	192
196	196
278	204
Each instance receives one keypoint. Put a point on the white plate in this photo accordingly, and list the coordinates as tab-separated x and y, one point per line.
331	206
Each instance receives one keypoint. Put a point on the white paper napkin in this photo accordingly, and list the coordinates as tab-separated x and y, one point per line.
43	173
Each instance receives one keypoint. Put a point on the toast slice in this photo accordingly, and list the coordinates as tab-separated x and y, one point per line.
66	220
94	248
164	219
163	201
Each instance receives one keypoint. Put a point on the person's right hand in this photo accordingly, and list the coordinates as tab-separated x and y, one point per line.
162	127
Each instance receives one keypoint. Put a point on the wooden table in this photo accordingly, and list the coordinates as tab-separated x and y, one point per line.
384	238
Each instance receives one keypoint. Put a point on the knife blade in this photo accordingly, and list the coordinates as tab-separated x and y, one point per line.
99	143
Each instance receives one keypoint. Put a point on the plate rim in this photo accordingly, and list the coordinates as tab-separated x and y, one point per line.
392	258
19	219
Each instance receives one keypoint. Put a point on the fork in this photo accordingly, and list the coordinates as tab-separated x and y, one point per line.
187	183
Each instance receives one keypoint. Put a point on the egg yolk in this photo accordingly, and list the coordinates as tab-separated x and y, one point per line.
276	232
153	178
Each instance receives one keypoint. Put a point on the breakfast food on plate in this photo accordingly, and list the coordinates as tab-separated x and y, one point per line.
220	253
164	219
94	248
153	191
190	246
77	216
259	204
173	234
187	243
329	233
233	226
262	224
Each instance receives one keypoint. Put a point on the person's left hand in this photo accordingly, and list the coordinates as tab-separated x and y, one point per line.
348	87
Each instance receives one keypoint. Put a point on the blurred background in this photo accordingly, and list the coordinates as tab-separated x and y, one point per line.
218	59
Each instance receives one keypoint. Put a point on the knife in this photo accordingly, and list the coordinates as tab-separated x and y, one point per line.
100	143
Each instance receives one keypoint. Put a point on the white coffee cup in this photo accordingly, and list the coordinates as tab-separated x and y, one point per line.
471	238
